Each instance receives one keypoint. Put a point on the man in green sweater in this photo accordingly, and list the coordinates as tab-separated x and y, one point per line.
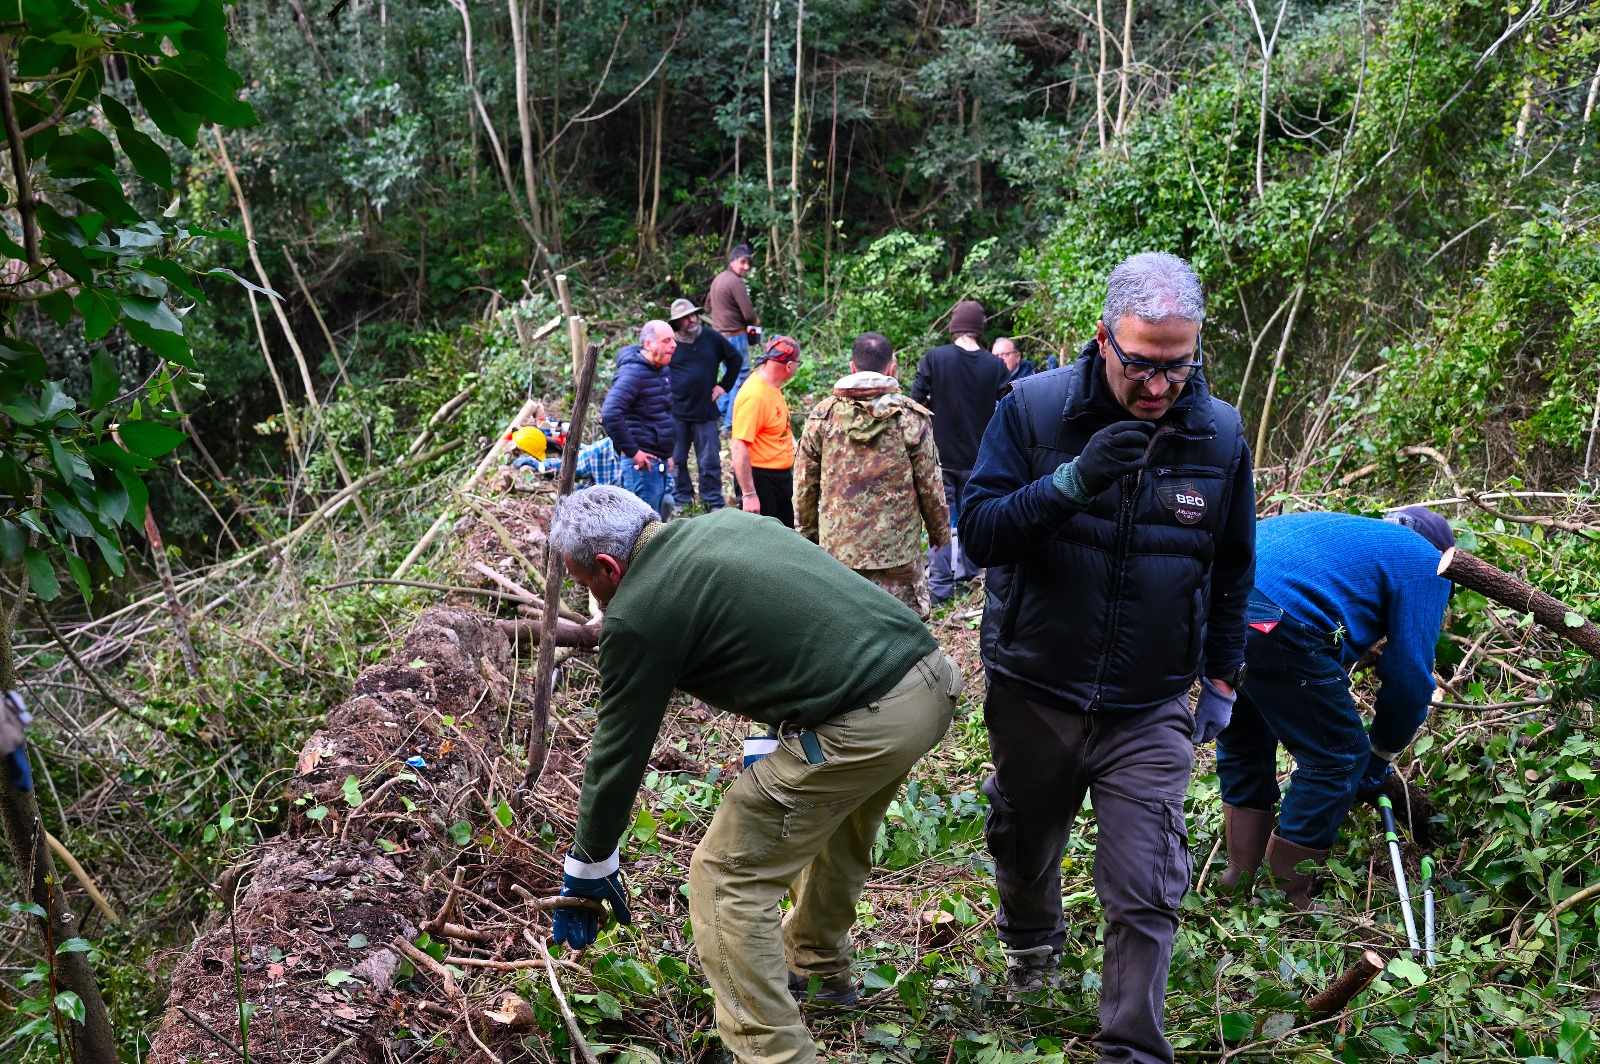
741	613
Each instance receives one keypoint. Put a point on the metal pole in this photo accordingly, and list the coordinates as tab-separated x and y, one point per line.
1427	909
1386	809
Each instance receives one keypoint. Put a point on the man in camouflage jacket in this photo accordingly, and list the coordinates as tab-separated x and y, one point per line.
866	471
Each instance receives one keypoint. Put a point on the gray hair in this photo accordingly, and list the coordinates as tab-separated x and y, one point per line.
604	519
653	329
1154	286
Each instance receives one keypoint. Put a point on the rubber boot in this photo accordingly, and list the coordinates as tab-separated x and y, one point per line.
1282	857
1246	831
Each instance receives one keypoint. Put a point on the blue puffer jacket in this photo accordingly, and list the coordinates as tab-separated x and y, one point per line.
637	413
1118	604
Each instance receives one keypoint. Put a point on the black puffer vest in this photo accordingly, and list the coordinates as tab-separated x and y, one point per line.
1109	613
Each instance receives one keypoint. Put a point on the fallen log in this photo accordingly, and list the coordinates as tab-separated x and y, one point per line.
1351	982
567	633
1470	571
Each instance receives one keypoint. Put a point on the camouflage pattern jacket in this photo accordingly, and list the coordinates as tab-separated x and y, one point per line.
867	475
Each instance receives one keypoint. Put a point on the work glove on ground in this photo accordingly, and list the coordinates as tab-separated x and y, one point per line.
578	928
1117	449
1212	713
14	719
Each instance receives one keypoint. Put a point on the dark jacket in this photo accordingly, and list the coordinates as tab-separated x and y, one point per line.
960	387
694	374
637	414
1117	605
1024	369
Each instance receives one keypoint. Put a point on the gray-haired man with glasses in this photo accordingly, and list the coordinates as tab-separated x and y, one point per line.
1112	502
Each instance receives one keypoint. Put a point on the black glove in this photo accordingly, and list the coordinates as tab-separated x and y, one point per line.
1116	449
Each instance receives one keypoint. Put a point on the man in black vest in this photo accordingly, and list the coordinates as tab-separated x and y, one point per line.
1112	502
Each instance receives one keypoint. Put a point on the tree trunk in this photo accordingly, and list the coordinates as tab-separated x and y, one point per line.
1470	571
538	733
1100	77
92	1041
1122	75
1272	377
794	147
530	171
655	180
766	106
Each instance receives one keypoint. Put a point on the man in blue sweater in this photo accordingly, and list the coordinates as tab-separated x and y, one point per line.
1113	504
637	413
1328	587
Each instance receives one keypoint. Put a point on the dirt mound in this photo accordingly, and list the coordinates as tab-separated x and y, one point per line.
399	785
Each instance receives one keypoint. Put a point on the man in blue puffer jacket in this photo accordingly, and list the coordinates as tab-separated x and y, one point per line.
1113	504
637	413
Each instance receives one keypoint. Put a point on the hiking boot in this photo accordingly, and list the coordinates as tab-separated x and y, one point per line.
834	990
1282	858
1029	971
1246	831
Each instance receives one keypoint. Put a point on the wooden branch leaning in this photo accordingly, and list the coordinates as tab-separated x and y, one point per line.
1473	572
1351	982
538	732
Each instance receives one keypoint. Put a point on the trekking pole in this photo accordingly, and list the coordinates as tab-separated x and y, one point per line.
1427	909
1386	809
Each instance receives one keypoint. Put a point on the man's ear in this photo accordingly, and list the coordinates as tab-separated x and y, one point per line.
853	366
893	368
610	566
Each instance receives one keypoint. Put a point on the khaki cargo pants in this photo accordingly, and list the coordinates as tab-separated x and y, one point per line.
787	826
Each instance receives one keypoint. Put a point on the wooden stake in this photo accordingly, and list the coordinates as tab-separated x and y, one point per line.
1470	571
1351	982
538	733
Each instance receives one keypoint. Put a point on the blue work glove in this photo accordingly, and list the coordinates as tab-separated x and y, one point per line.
1212	713
602	881
14	719
1372	777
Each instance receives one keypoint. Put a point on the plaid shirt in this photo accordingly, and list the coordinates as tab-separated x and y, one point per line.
597	462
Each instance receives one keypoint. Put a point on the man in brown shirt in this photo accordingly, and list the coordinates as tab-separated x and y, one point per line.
734	316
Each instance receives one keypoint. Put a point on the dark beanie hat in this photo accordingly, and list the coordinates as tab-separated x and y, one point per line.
1427	524
968	317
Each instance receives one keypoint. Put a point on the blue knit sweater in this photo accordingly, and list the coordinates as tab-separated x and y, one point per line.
1364	578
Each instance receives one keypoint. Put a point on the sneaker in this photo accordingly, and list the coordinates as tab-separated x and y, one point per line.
1029	971
838	990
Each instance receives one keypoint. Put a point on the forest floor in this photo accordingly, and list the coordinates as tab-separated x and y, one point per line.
396	917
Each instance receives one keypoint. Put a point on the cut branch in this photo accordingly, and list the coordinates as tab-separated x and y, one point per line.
1351	982
1470	571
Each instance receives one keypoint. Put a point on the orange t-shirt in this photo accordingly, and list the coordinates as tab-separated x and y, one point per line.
761	420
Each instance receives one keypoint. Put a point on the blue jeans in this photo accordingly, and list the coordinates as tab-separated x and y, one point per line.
1297	693
741	344
948	564
707	459
649	483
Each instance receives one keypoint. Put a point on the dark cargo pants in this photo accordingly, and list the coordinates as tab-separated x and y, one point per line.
1135	769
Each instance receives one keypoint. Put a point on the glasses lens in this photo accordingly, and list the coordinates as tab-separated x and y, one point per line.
1139	371
1180	373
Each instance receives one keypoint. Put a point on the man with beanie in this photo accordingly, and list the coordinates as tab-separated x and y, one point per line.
695	393
734	316
1113	505
867	477
959	381
850	682
637	412
1328	587
762	445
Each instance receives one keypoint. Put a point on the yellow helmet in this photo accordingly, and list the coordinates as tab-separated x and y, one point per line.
529	440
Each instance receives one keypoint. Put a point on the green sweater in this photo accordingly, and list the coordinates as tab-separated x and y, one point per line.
747	616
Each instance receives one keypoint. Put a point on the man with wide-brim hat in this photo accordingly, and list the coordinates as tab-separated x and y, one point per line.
697	385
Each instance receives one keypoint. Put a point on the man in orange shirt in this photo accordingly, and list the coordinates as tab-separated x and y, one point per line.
762	443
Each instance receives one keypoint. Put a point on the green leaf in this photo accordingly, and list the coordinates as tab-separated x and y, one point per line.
41	574
1407	969
57	306
146	155
74	945
1392	1039
150	438
352	791
502	813
461	833
1573	620
80	576
176	276
316	812
12	542
70	1004
82	153
28	907
1236	1026
223	271
138	496
105	197
170	346
338	977
357	941
153	312
164	111
111	500
104	379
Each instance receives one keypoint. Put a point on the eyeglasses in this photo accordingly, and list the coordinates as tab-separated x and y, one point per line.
1141	369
